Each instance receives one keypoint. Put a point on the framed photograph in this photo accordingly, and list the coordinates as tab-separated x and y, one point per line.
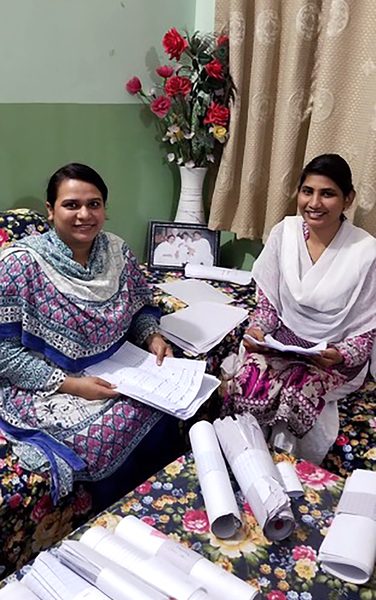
172	245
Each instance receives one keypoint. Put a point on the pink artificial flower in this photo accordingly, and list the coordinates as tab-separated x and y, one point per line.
276	595
160	106
133	86
299	552
342	440
314	476
15	500
174	43
196	521
214	69
178	85
148	520
164	71
82	502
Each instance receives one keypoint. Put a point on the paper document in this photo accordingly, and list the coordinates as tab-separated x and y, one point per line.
218	583
201	326
270	342
349	548
244	446
179	386
191	291
219	274
219	498
16	590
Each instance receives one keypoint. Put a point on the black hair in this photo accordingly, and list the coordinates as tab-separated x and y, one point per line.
74	171
333	166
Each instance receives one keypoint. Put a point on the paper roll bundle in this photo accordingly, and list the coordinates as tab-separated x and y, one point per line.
219	498
17	590
220	584
349	549
163	576
244	446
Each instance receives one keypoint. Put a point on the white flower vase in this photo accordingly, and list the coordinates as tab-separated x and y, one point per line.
191	206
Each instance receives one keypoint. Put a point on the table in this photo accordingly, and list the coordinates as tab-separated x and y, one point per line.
171	501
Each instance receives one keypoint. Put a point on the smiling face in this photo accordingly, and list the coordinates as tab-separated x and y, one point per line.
78	214
321	203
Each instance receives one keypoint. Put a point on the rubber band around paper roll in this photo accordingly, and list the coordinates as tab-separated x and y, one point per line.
245	449
219	498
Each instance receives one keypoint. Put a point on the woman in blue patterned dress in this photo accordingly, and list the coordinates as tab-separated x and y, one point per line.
68	299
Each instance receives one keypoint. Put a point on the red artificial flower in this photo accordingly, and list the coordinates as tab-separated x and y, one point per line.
214	69
160	106
276	595
4	236
299	552
342	440
133	86
178	85
144	488
164	71
196	521
174	44
222	40
217	115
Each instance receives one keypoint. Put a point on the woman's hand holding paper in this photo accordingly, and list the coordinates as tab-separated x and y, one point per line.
328	358
258	335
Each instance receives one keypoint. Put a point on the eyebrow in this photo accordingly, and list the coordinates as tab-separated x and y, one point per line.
96	198
327	189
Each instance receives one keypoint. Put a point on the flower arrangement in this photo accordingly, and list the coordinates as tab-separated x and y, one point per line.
192	101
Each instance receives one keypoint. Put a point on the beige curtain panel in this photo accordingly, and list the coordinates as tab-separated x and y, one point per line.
305	72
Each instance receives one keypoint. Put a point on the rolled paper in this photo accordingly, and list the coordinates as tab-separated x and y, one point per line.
349	548
18	591
219	498
220	584
290	480
154	571
245	449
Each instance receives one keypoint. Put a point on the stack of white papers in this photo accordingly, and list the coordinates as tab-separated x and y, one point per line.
218	273
244	446
192	291
349	549
201	326
272	344
179	386
17	590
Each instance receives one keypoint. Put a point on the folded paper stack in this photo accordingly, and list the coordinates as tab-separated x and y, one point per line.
218	273
349	548
245	449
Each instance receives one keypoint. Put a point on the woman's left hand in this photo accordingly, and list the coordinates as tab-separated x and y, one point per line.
158	346
328	358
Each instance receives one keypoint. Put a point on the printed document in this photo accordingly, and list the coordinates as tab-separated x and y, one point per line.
272	344
191	291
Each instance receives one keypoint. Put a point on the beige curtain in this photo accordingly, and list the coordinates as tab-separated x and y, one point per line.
305	72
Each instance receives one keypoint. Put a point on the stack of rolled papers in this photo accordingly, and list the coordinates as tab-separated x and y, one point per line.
220	584
218	273
126	573
349	548
219	498
244	446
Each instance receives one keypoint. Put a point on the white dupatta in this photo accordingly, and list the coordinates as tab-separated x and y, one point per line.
331	299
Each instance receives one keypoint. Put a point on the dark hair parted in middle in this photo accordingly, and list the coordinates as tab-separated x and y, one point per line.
333	166
74	171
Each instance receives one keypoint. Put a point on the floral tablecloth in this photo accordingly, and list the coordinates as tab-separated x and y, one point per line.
288	570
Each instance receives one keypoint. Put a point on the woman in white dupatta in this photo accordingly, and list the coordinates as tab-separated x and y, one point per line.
315	281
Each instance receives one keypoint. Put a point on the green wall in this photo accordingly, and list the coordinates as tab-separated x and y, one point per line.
64	64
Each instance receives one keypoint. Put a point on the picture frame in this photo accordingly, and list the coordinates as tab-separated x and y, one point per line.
172	245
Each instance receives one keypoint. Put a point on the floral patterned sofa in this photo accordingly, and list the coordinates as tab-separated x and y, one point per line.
29	522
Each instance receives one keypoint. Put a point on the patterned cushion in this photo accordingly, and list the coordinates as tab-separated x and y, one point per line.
18	222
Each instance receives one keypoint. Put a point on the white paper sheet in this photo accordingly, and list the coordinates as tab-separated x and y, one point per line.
154	571
219	498
218	273
272	344
178	386
201	326
244	446
290	480
220	584
17	591
191	291
349	548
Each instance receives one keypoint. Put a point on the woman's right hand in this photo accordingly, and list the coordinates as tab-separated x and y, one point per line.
256	333
89	388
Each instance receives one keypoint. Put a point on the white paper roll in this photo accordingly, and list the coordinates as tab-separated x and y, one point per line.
220	584
219	498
